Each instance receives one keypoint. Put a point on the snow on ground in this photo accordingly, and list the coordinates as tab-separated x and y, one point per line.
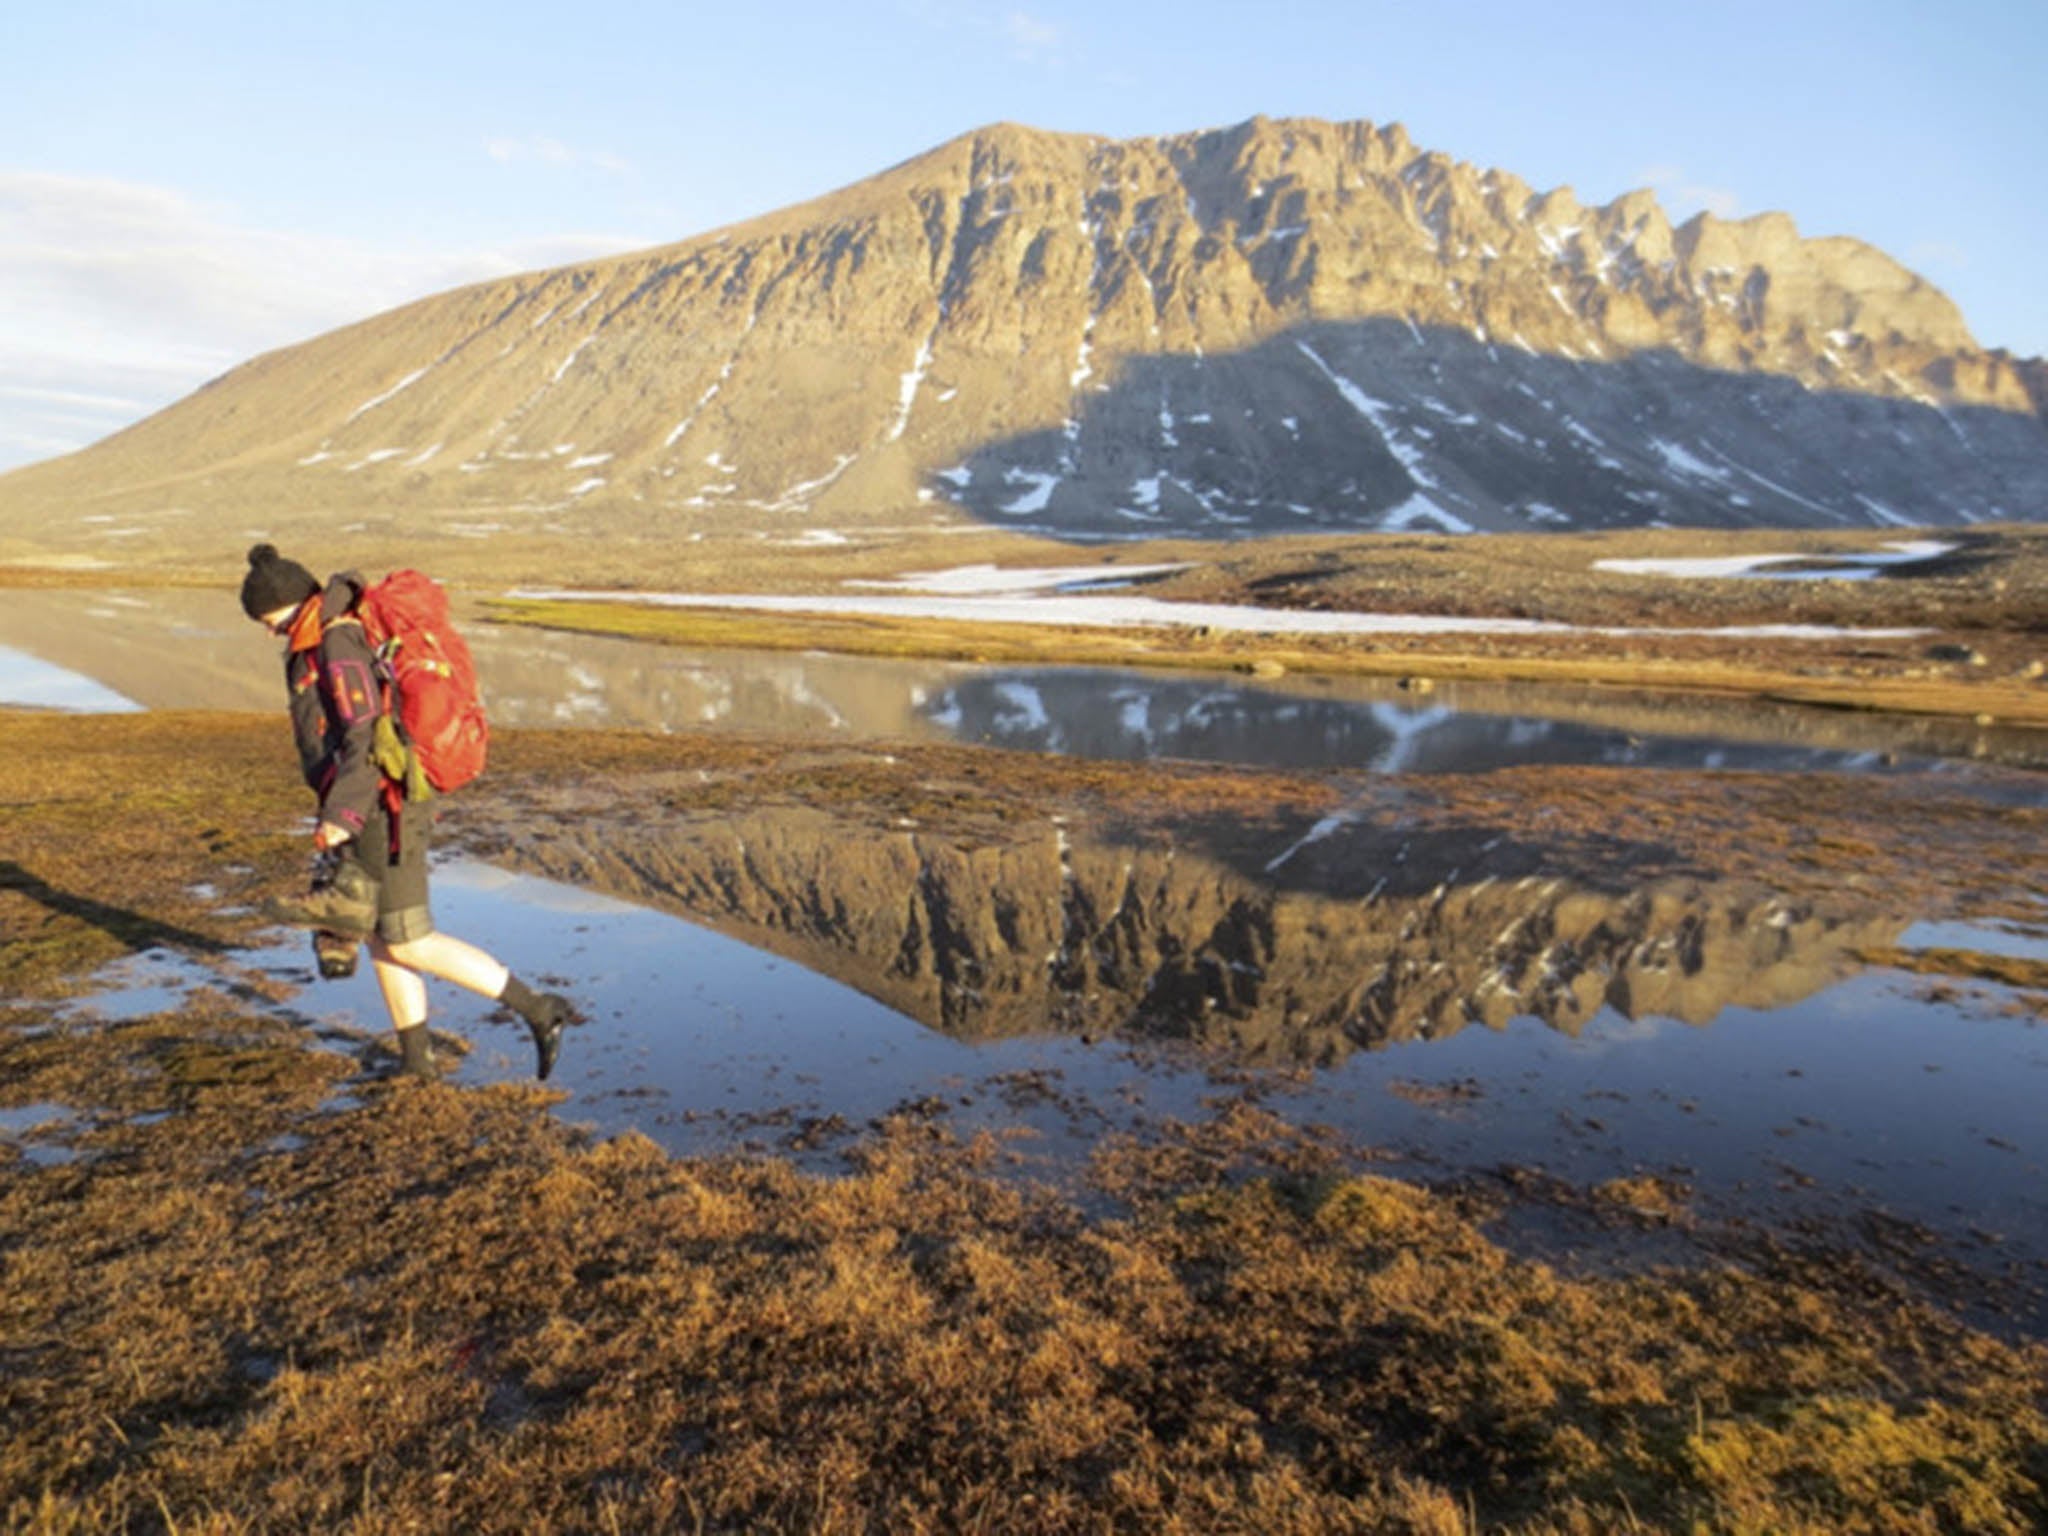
574	352
798	496
908	385
986	580
1419	507
981	594
1883	513
376	400
1684	463
1692	567
1037	498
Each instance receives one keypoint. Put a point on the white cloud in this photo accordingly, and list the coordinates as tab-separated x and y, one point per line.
539	148
1682	195
117	298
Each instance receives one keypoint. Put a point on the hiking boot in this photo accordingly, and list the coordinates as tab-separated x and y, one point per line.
547	1044
336	954
416	1054
547	1014
546	1017
344	903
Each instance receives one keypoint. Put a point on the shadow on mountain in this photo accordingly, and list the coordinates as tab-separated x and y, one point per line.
1266	944
1381	424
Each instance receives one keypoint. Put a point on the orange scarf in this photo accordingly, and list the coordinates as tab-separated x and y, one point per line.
304	630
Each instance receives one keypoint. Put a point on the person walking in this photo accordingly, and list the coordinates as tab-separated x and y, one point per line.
374	840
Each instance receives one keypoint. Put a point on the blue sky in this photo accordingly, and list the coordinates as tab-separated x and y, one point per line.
183	185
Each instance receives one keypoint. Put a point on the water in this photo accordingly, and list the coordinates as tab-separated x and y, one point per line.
38	1134
1799	1087
31	682
176	649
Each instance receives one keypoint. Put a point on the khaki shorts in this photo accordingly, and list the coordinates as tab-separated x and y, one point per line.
400	877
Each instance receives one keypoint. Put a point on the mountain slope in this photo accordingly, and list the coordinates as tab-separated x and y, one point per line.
1280	326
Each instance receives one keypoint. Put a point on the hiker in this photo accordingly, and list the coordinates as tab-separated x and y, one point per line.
372	835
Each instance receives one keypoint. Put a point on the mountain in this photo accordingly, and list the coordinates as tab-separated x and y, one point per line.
1281	326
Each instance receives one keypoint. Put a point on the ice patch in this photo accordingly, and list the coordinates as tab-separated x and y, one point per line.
1123	610
1710	566
37	684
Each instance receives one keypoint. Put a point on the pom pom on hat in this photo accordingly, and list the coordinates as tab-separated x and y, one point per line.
274	582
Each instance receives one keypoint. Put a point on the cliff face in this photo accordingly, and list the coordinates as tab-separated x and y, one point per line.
1352	937
1278	326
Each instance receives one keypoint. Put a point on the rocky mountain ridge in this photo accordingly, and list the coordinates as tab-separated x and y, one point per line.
1281	326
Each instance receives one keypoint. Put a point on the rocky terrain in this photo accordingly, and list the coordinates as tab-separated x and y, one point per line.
1281	326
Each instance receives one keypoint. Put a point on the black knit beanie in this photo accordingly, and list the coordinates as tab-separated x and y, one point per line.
274	582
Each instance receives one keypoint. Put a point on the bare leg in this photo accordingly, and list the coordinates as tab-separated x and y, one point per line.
401	964
405	995
446	957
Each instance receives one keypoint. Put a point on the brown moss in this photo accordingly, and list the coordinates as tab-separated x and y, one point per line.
246	1305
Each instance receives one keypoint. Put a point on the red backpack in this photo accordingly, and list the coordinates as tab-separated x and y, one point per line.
438	703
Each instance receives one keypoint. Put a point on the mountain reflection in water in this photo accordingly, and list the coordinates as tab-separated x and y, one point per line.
171	649
1345	935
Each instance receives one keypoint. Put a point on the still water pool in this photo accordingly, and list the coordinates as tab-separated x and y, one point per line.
1870	1093
193	650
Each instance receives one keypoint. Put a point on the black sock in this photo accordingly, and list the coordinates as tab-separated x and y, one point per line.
518	996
